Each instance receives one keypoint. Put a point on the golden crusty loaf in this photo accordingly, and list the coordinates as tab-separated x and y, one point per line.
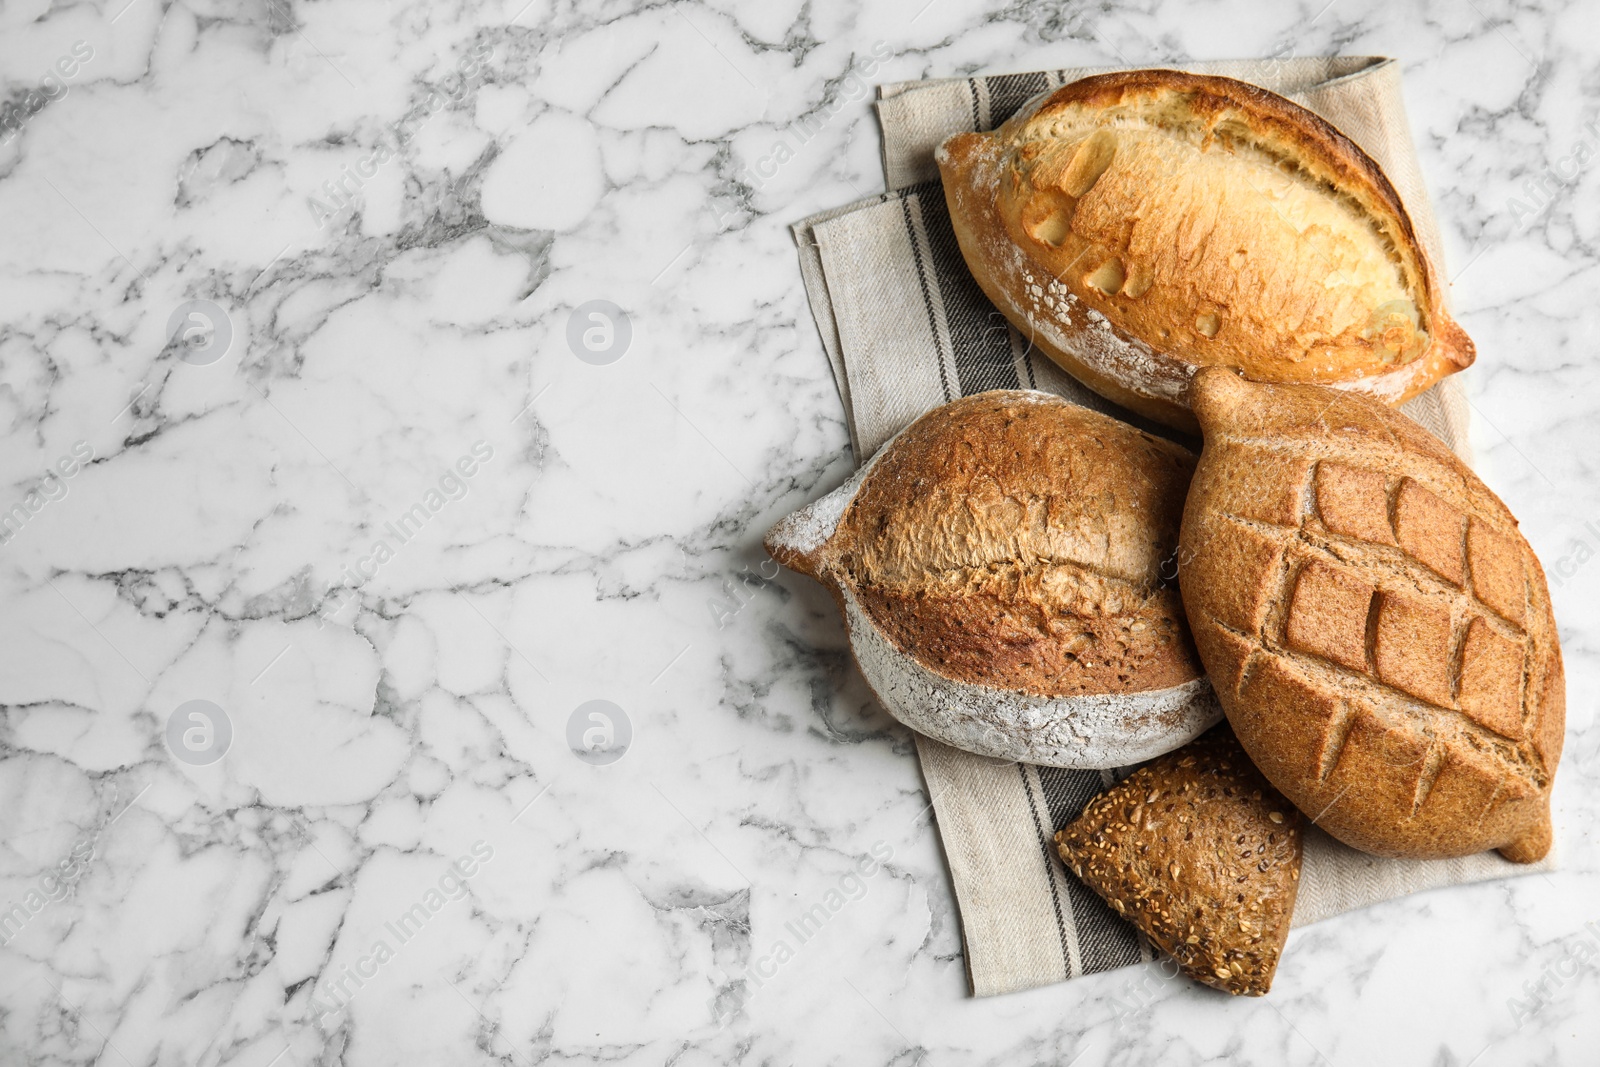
1139	225
1201	854
999	565
1377	629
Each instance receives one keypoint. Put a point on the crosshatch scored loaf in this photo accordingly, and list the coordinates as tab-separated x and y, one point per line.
999	565
1376	626
1139	225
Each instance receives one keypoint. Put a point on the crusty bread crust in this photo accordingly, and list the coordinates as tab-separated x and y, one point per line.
1017	540
1376	627
1000	565
1137	226
1201	854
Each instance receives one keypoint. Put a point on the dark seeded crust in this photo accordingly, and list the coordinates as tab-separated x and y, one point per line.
1199	852
1015	540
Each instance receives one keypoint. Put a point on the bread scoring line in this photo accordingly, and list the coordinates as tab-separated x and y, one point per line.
1297	550
1415	274
1460	501
994	567
1527	766
1275	619
1318	448
1365	556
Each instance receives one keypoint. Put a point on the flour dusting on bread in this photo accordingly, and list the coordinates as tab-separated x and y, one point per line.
1000	568
1140	225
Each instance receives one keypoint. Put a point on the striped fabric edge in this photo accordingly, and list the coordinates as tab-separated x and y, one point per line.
975	337
1026	922
892	375
949	340
971	345
815	280
1105	941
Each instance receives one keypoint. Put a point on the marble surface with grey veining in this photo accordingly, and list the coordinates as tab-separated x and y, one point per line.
294	424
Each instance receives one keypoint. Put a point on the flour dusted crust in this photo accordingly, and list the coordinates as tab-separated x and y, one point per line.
1377	628
1140	225
1086	731
999	566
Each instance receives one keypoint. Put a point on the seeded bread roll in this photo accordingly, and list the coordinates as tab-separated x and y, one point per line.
1201	854
999	565
1140	225
1377	628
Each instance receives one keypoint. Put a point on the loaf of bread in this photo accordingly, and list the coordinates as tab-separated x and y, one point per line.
998	564
1376	627
1201	854
1137	226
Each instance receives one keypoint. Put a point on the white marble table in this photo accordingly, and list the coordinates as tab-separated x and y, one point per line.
394	209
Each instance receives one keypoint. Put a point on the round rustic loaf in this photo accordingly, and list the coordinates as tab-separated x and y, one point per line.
1139	225
1376	627
998	564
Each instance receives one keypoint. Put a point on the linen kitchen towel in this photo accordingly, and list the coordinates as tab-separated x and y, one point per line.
906	329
